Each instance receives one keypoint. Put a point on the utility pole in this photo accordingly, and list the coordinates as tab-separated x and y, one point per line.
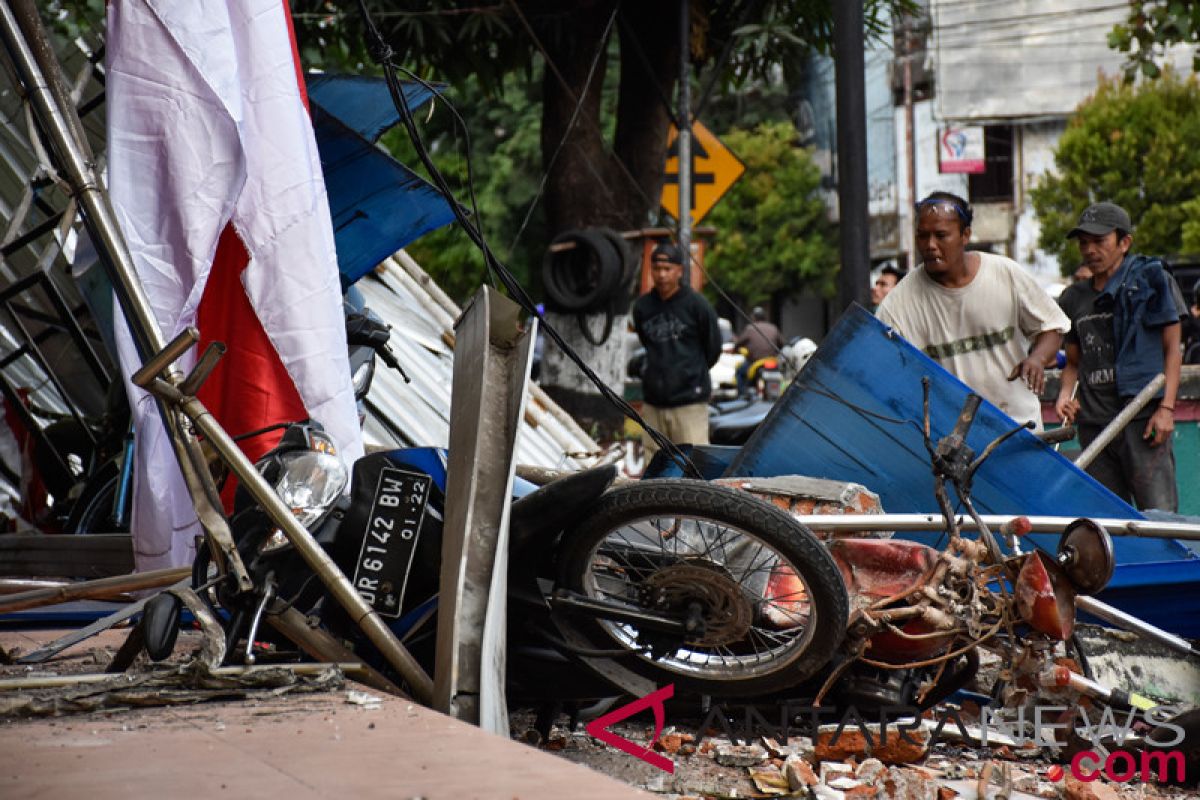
684	126
853	224
910	151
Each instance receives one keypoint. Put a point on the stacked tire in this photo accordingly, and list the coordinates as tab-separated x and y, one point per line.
594	276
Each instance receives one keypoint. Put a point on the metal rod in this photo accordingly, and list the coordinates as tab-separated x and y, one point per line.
1117	617
1147	529
9	586
90	590
1120	421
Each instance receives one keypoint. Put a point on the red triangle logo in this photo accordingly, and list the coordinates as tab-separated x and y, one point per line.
598	728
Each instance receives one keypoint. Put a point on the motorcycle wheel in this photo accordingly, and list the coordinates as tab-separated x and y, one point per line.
93	511
694	550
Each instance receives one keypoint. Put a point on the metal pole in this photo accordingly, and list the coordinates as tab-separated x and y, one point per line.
853	224
1112	429
88	590
685	140
1117	617
910	150
1145	529
34	60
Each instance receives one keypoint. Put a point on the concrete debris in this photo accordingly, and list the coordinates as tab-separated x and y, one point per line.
364	699
1095	790
799	773
740	755
832	770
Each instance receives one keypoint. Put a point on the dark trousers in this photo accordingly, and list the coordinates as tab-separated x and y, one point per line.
1130	468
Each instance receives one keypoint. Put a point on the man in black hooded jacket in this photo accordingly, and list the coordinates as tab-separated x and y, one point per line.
679	330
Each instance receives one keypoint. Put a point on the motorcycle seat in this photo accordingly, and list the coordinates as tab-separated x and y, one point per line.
559	503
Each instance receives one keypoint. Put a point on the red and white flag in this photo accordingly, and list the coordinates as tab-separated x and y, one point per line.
214	175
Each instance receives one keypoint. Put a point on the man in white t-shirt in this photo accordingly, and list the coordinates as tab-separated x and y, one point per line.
979	315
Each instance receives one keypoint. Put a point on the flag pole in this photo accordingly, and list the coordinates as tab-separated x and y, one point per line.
37	65
34	60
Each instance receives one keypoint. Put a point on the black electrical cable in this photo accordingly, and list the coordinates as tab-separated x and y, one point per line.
383	54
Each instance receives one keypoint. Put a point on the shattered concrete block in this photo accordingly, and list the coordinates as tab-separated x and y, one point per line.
740	755
799	773
893	749
905	784
832	770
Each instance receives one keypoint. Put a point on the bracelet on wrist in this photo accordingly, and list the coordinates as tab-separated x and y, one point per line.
1167	407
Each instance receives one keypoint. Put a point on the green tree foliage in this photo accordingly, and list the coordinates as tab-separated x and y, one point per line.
773	234
1138	146
505	167
1151	27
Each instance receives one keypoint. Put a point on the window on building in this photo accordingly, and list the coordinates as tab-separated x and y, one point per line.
995	183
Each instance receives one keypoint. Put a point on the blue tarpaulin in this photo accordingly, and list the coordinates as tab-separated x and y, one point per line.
378	205
854	414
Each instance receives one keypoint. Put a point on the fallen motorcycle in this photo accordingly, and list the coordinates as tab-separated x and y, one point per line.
651	583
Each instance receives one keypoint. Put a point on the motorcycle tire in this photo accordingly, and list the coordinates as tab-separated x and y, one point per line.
679	547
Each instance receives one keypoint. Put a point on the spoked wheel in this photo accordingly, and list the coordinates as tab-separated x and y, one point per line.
757	602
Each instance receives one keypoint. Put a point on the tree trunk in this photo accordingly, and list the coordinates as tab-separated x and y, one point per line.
590	186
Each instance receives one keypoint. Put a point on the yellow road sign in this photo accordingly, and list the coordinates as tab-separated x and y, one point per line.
714	170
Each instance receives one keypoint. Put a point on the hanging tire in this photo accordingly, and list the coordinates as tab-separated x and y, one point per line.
764	599
584	277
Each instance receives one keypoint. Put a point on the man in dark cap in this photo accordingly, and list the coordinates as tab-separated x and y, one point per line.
679	330
1124	331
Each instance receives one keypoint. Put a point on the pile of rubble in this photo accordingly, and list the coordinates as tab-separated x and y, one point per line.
846	766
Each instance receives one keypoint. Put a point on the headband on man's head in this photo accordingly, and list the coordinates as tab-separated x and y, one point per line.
930	202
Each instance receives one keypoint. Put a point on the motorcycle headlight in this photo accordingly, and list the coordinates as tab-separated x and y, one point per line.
310	482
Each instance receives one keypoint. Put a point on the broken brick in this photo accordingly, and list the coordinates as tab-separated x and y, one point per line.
894	749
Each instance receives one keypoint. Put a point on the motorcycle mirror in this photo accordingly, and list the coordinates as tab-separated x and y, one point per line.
160	625
1085	552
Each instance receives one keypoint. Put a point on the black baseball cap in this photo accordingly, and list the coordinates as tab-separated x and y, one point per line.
667	252
1101	218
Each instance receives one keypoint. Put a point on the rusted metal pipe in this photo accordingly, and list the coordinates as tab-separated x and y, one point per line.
94	590
16	585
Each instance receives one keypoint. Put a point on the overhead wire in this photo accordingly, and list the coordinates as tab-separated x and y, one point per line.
382	52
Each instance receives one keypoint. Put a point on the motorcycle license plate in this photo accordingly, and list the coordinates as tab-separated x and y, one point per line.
390	541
